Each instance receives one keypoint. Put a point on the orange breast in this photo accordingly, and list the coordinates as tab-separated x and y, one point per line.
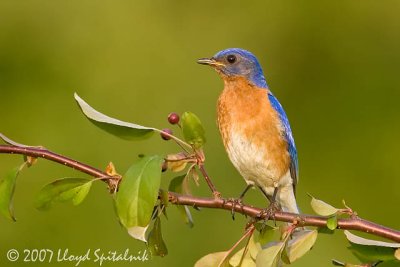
244	110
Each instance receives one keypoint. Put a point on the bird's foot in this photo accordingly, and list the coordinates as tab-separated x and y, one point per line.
265	214
269	212
235	202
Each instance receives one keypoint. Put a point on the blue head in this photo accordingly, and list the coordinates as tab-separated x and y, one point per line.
233	62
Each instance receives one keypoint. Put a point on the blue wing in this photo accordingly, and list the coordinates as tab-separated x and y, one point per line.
294	164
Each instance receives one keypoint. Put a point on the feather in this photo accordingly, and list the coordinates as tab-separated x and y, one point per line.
287	131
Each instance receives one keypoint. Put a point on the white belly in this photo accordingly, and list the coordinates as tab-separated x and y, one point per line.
251	161
253	164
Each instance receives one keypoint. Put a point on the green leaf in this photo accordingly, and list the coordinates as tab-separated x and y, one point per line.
372	253
332	222
285	257
338	263
155	242
193	130
254	247
164	197
266	233
212	260
300	244
369	242
81	194
7	188
247	262
397	254
138	232
368	250
322	208
138	192
186	215
271	255
176	162
13	143
176	185
237	261
75	189
122	129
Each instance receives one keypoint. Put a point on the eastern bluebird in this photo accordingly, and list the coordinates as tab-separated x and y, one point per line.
254	128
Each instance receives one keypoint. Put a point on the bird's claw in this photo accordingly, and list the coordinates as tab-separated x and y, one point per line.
235	202
269	212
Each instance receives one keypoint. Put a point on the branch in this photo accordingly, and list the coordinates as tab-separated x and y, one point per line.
302	219
353	223
38	152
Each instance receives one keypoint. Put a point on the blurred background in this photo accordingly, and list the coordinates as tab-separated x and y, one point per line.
334	65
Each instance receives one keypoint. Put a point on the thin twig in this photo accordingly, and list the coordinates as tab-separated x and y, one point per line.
208	180
46	154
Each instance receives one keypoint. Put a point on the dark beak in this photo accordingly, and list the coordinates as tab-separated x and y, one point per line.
209	61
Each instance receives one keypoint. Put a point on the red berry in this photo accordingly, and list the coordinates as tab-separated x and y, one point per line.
166	136
173	118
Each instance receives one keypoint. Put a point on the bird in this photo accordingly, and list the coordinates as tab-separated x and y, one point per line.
255	129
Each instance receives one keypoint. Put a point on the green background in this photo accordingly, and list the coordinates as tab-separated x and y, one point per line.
334	65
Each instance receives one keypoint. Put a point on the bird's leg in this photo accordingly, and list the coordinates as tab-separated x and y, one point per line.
273	206
266	195
236	201
244	192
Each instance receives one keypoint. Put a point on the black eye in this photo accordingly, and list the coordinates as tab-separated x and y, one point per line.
231	58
